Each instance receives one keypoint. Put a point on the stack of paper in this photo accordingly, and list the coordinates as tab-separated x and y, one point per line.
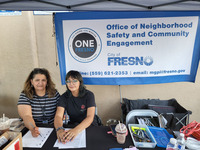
78	142
29	141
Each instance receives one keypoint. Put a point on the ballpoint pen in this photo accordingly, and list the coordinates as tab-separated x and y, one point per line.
34	128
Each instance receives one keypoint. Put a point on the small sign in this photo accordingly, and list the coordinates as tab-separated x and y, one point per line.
10	13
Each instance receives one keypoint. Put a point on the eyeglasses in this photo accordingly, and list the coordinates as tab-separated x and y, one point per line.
72	81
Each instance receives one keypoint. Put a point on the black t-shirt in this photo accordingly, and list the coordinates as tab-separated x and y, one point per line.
76	107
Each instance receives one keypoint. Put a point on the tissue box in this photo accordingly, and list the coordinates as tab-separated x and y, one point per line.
14	142
137	143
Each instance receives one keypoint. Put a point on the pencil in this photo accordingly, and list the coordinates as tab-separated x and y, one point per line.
34	128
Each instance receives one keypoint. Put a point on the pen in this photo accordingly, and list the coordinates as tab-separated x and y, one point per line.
34	128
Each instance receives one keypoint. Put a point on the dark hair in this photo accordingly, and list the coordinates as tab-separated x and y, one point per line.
29	90
76	75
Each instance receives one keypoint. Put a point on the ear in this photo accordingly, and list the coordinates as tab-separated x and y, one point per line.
31	82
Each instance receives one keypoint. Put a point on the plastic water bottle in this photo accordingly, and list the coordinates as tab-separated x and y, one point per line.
172	145
181	142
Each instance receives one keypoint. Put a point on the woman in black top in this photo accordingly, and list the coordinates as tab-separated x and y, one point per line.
79	103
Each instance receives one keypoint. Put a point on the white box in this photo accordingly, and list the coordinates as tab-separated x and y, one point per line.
151	144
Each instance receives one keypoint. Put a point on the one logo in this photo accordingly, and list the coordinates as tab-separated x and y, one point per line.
84	45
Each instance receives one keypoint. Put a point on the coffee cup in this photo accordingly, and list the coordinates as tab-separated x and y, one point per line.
4	125
121	132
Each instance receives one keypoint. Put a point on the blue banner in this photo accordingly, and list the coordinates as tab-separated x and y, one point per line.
127	48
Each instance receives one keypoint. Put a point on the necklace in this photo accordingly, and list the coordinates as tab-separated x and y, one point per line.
42	106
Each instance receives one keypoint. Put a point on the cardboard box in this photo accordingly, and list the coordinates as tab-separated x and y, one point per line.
15	139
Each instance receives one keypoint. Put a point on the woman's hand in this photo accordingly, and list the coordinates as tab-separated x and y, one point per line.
35	132
70	135
60	135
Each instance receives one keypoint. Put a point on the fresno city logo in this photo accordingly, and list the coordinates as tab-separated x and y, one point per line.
84	45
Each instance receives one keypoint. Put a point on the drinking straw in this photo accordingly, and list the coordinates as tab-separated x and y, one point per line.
120	126
3	117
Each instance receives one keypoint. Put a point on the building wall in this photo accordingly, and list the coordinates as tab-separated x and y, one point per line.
28	41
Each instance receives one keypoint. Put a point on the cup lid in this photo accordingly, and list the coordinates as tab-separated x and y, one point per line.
4	119
121	128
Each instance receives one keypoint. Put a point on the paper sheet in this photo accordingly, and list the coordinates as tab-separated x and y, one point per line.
78	142
29	141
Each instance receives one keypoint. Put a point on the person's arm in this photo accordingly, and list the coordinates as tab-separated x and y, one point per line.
25	113
58	123
71	134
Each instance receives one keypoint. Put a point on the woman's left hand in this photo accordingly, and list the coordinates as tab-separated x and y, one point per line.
70	135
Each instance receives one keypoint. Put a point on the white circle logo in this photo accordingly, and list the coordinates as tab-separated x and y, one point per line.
84	45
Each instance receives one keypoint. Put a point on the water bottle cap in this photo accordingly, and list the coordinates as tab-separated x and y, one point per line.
173	141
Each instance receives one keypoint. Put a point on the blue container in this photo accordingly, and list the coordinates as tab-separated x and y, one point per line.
161	136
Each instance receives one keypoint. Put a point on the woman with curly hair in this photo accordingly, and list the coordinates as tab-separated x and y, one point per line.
38	100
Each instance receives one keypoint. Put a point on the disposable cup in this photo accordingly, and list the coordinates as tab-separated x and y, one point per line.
121	133
4	125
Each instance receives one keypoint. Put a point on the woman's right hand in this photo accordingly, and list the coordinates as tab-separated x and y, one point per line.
35	132
60	135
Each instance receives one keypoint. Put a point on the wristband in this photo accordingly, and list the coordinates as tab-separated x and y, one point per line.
59	129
